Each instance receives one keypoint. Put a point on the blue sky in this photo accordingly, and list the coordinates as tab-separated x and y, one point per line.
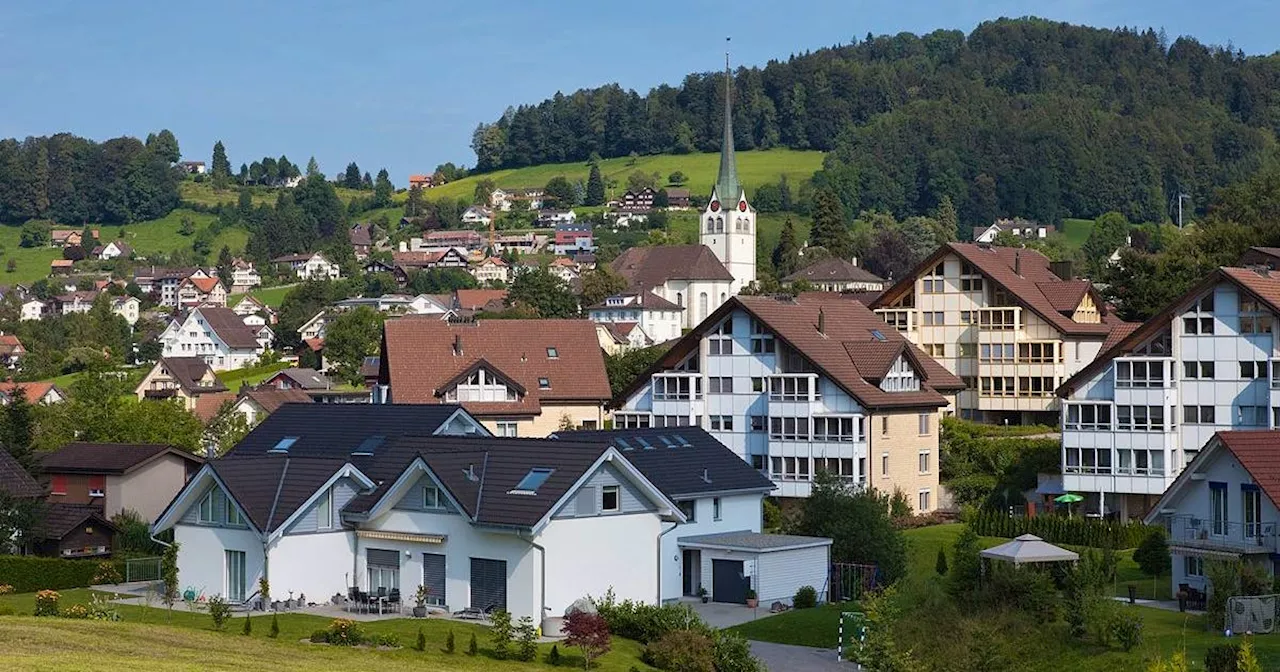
403	84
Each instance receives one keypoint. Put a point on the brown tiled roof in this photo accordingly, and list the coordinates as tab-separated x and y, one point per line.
271	398
10	345
848	351
34	391
205	285
229	327
419	356
188	371
15	481
644	299
997	265
106	458
207	405
362	235
1262	284
865	298
1118	333
619	330
474	299
833	269
1065	296
645	267
411	259
1256	452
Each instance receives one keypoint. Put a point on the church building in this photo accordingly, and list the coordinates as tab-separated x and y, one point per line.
701	277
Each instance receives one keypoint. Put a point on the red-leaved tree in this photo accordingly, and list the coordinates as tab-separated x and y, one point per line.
588	632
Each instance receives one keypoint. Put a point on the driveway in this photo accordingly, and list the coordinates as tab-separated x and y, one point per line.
787	658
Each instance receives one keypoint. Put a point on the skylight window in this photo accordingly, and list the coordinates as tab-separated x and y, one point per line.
876	334
533	480
666	441
552	353
367	446
284	444
544	383
682	441
644	443
623	444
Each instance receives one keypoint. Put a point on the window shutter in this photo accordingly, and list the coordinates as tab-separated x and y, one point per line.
586	501
97	482
58	485
384	558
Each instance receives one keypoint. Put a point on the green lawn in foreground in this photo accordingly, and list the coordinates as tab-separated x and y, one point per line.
754	168
153	638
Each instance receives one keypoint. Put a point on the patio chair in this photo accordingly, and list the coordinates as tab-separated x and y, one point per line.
381	598
353	599
393	598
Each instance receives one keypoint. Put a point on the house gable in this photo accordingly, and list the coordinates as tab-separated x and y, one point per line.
415	497
309	519
588	498
212	506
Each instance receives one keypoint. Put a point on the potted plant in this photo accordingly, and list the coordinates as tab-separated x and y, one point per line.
702	592
752	602
420	601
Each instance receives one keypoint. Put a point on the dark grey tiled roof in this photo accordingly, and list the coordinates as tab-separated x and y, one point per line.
15	481
106	458
271	487
754	541
60	519
335	430
678	469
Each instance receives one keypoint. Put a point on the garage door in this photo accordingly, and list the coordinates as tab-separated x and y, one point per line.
433	577
728	581
488	583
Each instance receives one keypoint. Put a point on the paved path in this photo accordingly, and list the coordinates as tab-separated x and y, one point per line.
788	658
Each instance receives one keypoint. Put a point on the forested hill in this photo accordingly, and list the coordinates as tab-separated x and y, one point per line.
1022	117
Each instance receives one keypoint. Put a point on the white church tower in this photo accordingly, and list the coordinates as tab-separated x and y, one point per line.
729	222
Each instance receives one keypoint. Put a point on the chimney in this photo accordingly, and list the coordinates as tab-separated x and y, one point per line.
457	344
1017	263
1062	269
822	321
470	473
210	449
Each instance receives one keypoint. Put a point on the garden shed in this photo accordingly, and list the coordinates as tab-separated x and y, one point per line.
774	565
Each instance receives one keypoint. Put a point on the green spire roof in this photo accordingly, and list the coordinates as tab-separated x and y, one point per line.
727	187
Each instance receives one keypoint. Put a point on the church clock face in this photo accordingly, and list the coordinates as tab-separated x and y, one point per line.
742	206
715	206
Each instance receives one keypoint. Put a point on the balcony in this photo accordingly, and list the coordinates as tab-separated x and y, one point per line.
677	386
1138	373
1223	535
794	387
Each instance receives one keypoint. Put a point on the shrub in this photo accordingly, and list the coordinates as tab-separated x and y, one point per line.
6	589
1059	530
107	572
1026	588
77	611
589	632
647	622
275	627
940	565
345	632
502	633
47	603
6	610
681	651
1221	658
388	640
248	626
422	640
553	658
101	610
449	645
27	573
320	637
527	636
733	653
219	611
471	647
1247	660
1152	555
1127	629
805	598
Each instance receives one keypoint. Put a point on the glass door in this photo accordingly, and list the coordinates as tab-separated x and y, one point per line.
235	576
1252	512
1218	507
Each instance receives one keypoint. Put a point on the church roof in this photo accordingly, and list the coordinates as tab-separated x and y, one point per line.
646	267
727	186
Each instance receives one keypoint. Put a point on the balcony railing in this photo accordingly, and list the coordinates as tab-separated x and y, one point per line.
1225	534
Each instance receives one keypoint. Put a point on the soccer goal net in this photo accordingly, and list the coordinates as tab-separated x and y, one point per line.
1252	614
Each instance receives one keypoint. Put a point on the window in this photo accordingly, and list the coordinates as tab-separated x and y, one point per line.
757	423
968	349
670	421
609	498
1000	319
1036	386
933	282
971	284
933	318
384	569
1197	370
621	421
789	429
1251	416
233	515
968	317
1139	373
1193	566
508	429
1140	418
923	459
1089	416
922	503
1251	499
720	385
677	388
833	429
534	480
761	339
722	423
884	464
935	349
544	383
690	509
791	388
206	513
552	353
715	508
58	485
1218	507
924	424
1254	319
884	424
1038	353
757	384
1197	415
324	510
1253	370
720	341
996	386
431	497
97	486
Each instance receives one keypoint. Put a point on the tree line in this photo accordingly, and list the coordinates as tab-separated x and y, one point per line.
1022	117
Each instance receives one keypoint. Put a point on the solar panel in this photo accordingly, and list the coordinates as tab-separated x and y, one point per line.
875	333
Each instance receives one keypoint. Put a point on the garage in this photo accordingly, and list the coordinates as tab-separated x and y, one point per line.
774	565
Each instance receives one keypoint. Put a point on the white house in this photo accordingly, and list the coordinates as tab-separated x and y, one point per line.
244	276
201	292
75	302
658	318
127	307
1138	413
1223	506
313	329
492	269
254	311
114	249
217	335
322	507
34	309
797	386
837	275
1019	227
311	266
477	216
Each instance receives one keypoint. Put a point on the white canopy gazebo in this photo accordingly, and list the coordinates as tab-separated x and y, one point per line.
1029	549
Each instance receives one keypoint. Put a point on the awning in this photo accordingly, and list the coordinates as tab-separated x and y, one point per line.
1203	553
402	536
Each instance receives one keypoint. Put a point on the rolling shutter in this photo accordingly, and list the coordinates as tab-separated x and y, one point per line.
488	584
585	501
433	577
383	558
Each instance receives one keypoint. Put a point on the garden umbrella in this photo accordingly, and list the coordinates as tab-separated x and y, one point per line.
1069	498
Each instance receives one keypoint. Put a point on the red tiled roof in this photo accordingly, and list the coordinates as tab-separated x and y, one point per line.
998	265
205	285
271	398
34	391
645	267
474	299
1256	452
1065	296
10	345
620	331
316	344
420	358
207	405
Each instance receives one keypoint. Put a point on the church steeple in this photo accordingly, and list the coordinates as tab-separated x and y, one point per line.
727	187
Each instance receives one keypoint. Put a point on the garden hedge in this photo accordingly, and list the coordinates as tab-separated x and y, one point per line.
1059	530
28	574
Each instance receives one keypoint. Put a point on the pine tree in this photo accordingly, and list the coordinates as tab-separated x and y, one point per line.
786	256
472	647
19	430
595	187
275	627
351	178
421	645
829	230
366	182
248	626
941	565
313	168
449	642
948	220
224	267
221	166
382	189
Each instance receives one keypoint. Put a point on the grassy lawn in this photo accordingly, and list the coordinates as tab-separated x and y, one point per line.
754	168
802	627
204	194
1077	231
250	376
272	296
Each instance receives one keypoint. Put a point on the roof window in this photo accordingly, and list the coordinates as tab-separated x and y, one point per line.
622	443
284	444
544	383
532	481
367	446
552	353
644	443
878	335
682	441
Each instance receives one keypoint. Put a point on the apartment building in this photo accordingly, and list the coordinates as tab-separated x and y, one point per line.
798	386
1007	322
1140	412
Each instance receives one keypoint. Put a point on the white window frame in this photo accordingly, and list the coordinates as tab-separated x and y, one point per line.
324	510
616	491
